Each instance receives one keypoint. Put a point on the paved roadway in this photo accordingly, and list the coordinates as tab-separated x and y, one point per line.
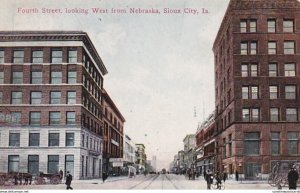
153	181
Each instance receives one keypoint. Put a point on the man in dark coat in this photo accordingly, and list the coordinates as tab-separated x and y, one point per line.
104	176
209	179
293	177
237	175
69	179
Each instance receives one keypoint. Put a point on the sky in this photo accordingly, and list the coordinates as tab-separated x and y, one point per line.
160	66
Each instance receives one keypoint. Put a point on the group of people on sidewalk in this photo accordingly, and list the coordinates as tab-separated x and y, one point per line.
209	177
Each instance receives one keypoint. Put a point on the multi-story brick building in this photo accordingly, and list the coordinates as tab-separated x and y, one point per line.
257	80
51	83
112	136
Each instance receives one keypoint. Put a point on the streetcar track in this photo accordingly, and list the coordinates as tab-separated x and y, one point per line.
162	182
172	182
145	180
156	176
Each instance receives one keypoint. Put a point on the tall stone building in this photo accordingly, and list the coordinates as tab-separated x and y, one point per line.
257	78
51	86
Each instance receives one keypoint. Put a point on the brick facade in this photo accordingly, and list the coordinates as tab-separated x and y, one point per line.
243	39
85	146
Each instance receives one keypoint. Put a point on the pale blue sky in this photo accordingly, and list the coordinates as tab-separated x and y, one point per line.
159	66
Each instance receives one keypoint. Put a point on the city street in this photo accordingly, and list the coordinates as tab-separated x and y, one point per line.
154	182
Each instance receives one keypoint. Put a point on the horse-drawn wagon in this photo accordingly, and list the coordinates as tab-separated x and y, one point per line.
15	178
48	178
279	173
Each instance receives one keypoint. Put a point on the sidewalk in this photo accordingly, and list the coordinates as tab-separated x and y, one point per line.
99	180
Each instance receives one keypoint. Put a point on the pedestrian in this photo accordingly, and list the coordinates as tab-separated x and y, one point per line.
69	180
224	176
293	177
61	175
237	175
209	179
104	176
204	175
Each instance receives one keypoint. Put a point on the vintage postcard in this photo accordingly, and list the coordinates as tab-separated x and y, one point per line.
149	94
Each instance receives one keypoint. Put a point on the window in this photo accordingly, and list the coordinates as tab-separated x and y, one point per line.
1	97
224	148
53	162
254	92
54	118
56	77
255	114
69	139
253	48
55	97
251	143
35	118
36	98
37	56
274	114
290	92
288	25
273	92
1	56
36	77
72	77
271	25
243	26
53	139
289	47
289	70
245	92
254	70
253	25
244	48
1	77
250	114
13	163
71	97
292	143
33	164
16	117
56	56
16	97
246	114
14	139
82	140
34	139
69	164
72	56
70	118
275	143
272	70
272	48
230	145
244	70
18	56
291	114
17	77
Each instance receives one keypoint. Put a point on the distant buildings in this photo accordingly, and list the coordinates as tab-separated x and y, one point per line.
189	148
141	157
129	155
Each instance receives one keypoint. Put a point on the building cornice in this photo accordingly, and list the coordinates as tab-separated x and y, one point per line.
23	36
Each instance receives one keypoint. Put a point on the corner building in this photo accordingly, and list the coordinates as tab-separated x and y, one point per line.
257	80
51	85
